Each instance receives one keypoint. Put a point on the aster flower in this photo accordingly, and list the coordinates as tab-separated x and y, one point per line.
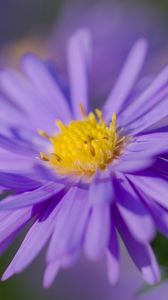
94	174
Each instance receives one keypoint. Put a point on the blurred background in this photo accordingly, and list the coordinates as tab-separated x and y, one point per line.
43	27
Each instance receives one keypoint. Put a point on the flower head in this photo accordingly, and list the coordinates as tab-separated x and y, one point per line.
95	175
84	146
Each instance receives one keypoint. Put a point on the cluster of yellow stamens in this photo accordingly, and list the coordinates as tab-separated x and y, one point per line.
82	147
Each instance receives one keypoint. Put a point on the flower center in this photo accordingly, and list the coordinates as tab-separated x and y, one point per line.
82	147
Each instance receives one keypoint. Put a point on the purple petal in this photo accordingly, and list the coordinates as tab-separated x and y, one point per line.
127	164
23	93
126	79
161	165
34	241
141	253
133	211
159	214
14	221
148	98
153	186
39	195
19	183
12	115
39	170
113	257
53	268
15	163
50	273
157	113
138	117
78	60
9	240
100	191
4	214
10	161
16	147
68	235
46	86
98	231
147	145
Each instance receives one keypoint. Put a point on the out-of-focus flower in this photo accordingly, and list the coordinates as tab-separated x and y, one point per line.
114	27
99	172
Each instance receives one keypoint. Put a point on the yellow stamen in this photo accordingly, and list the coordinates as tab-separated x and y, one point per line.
43	134
83	147
60	125
99	115
43	156
83	111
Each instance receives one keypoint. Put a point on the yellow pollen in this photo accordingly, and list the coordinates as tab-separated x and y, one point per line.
85	146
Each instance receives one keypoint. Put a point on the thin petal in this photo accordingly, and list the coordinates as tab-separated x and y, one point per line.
78	60
34	241
100	191
47	86
14	221
15	146
147	98
9	240
159	214
161	165
12	114
19	183
12	162
126	164
113	257
39	195
133	211
22	92
147	145
50	274
98	231
53	268
126	79
141	253
153	185
157	113
68	235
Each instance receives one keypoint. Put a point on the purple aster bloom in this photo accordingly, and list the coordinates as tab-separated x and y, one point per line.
95	176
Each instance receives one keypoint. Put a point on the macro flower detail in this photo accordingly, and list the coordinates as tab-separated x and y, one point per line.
97	175
83	147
